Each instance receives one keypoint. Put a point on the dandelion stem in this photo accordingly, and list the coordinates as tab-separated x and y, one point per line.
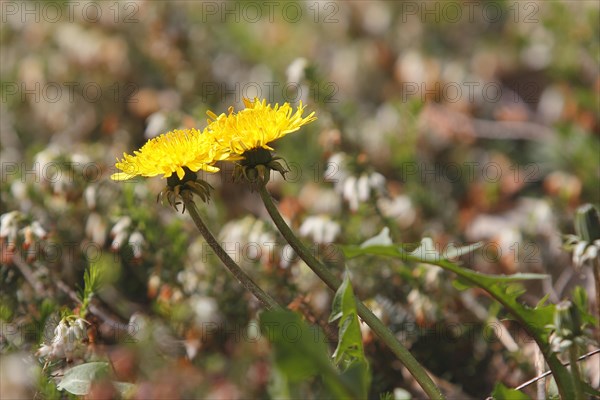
237	272
413	366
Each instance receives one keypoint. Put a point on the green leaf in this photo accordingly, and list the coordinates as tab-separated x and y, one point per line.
543	300
350	347
349	352
587	389
501	392
301	353
77	380
358	377
343	300
580	300
502	288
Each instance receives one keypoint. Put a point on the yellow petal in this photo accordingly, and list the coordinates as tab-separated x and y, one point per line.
121	176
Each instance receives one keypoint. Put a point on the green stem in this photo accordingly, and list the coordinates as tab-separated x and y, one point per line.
413	366
237	272
575	373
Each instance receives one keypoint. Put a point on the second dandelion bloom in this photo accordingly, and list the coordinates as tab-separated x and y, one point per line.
256	126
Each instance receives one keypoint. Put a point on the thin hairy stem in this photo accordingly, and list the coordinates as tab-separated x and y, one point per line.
231	265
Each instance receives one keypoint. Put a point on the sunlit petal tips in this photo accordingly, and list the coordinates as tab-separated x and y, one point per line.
255	126
169	153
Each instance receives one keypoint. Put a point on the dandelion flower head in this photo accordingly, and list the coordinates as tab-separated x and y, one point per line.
170	153
255	126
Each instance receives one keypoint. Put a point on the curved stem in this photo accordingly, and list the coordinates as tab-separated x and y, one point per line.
413	366
237	272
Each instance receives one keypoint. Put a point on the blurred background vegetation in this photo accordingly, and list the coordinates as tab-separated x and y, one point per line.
463	121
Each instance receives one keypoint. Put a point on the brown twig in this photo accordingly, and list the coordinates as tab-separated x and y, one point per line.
28	274
545	374
40	288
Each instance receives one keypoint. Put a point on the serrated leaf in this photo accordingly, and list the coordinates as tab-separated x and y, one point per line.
543	300
500	287
349	352
501	392
77	380
343	300
350	346
514	290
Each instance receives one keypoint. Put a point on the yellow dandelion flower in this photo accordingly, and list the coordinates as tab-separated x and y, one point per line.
255	126
169	153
